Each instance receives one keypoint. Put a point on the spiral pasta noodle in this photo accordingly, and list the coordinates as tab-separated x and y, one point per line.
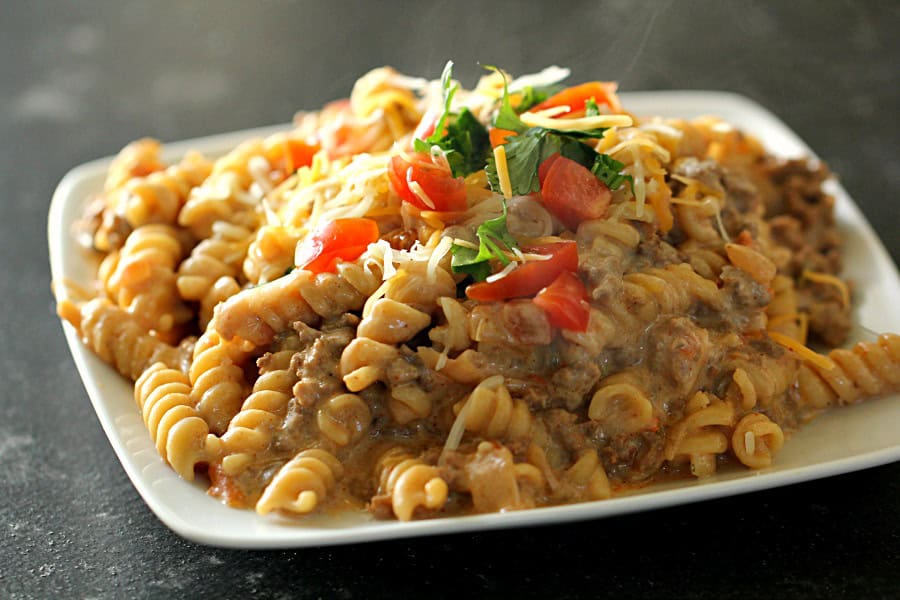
427	300
118	338
181	435
141	278
217	380
868	369
302	484
409	483
492	413
251	430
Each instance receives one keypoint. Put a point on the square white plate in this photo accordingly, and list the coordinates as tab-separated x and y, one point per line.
844	440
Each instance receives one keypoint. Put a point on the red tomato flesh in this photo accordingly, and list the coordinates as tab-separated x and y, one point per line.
529	278
499	136
566	302
448	193
576	97
572	193
290	155
341	239
545	167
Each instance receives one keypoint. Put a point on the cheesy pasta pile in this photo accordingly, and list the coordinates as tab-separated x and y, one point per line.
426	301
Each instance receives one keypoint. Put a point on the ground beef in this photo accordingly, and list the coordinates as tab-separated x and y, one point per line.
570	385
318	367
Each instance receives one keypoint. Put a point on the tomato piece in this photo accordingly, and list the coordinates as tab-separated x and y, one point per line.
576	97
573	194
341	239
446	192
566	302
500	136
545	166
290	155
528	279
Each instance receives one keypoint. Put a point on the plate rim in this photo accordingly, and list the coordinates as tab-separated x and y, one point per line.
298	536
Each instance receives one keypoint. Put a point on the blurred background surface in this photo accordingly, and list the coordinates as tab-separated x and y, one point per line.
79	80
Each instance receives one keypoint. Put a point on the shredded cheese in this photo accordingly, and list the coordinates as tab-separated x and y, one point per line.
503	171
637	142
375	297
580	124
416	189
465	243
823	362
506	271
437	255
549	76
454	437
750	442
827	279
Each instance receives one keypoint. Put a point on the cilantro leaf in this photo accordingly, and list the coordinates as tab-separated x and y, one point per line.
467	144
465	260
493	240
507	118
524	154
608	170
463	139
449	88
532	96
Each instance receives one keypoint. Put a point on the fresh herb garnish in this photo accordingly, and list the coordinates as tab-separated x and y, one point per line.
507	118
463	139
532	96
590	108
494	240
609	171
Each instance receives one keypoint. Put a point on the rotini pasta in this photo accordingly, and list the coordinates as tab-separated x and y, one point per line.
181	435
535	304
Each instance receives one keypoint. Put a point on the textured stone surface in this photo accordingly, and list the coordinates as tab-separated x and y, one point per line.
81	79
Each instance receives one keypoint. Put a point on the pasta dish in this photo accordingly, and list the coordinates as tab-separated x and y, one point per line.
425	300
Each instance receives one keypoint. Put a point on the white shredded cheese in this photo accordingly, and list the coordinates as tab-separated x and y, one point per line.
750	442
506	271
437	255
416	189
599	121
549	76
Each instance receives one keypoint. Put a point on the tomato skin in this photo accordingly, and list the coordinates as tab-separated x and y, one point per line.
576	97
448	193
529	278
566	302
291	154
341	239
573	194
499	136
545	167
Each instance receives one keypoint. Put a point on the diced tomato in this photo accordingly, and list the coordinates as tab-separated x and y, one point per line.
573	194
446	192
576	97
545	166
529	278
500	136
566	302
291	154
341	239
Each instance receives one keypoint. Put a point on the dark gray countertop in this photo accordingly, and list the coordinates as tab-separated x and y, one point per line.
79	80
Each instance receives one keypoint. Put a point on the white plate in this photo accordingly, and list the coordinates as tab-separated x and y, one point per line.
844	440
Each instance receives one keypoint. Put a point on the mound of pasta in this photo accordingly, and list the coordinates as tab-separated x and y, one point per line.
426	300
